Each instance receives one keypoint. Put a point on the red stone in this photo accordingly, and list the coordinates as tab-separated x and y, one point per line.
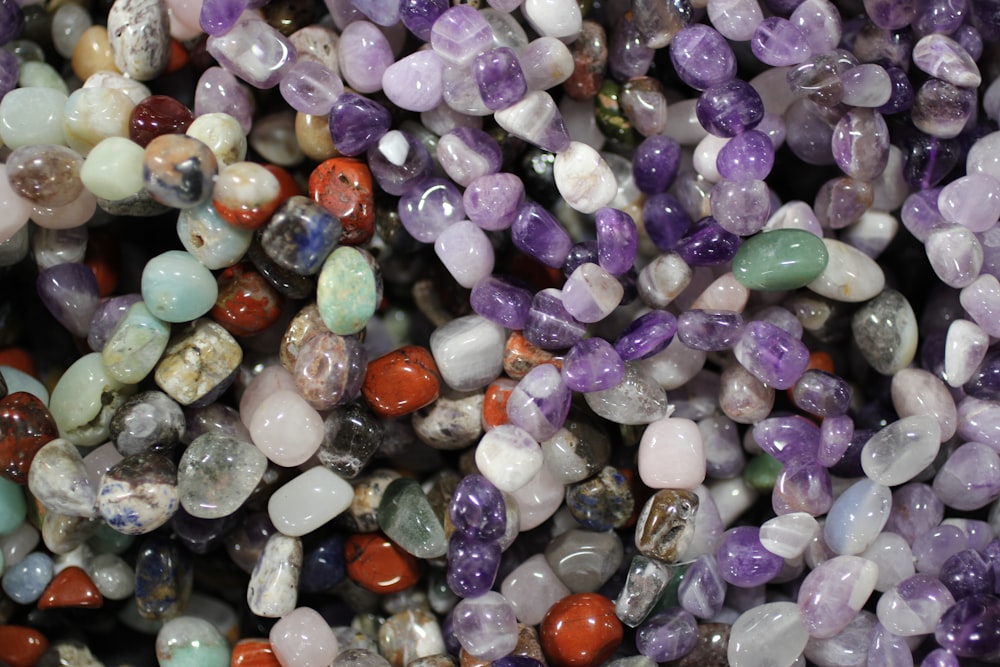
253	653
178	57
155	116
590	60
71	588
401	382
25	426
375	563
18	357
520	356
343	186
495	403
21	646
581	630
104	259
289	186
247	303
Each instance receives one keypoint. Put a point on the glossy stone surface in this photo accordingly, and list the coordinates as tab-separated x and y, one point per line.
580	630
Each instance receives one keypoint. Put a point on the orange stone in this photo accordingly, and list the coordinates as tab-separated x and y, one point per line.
343	186
401	382
253	653
71	588
21	646
103	256
495	403
18	357
289	187
375	563
581	630
820	361
520	356
178	57
247	303
25	426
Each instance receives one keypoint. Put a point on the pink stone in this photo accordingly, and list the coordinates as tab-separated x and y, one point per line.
286	429
268	381
672	455
303	639
532	588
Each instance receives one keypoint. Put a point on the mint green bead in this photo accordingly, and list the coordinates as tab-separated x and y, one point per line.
349	290
761	472
32	116
188	641
176	287
84	400
13	508
782	259
113	169
135	345
210	239
33	74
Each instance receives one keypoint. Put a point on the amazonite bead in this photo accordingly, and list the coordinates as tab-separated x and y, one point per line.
349	290
13	508
210	239
782	259
191	642
135	345
113	169
177	287
85	399
31	74
32	116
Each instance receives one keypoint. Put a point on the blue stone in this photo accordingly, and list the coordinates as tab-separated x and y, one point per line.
323	566
163	578
25	582
300	235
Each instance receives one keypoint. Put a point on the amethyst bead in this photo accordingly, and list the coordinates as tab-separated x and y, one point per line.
460	34
647	335
106	317
584	252
311	88
219	16
419	15
822	394
8	72
655	164
707	244
538	234
967	573
592	365
779	43
492	201
254	51
728	109
380	12
743	561
429	207
985	382
549	326
802	486
788	439
710	330
357	123
70	293
540	402
617	240
499	77
628	55
665	220
746	157
702	591
891	14
502	301
472	565
11	20
772	355
477	509
219	91
415	83
971	628
410	162
702	57
467	153
669	635
916	509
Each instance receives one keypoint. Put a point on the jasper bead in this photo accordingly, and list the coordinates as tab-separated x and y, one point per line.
26	425
378	565
401	382
581	630
247	304
344	188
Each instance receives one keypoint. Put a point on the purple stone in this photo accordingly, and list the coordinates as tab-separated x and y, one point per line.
710	330
218	91
985	382
702	590
419	15
665	220
492	201
540	402
667	636
254	51
311	88
888	650
702	57
584	252
70	293
916	509
929	160
970	478
788	439
728	109
502	301
549	326
380	12
971	39
106	317
770	354
743	561
940	657
8	72
779	43
592	365
967	573
822	394
802	486
396	178
460	34
472	565
499	77
429	207
940	16
849	464
707	244
746	157
920	213
539	235
357	123
646	335
617	240
11	20
978	532
468	153
901	97
219	16
516	661
934	547
891	14
628	55
655	164
971	628
477	509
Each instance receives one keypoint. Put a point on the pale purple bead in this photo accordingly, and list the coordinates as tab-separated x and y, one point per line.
809	132
655	163
540	402
980	533
920	213
219	16
888	650
972	201
970	478
218	91
820	22
460	34
729	108
477	508
771	355
311	88
777	42
69	292
466	252
485	626
860	144
539	235
396	176
590	293
363	54
742	559
357	123
741	207
940	16
646	335
380	12
782	318
472	565
934	547
628	55
979	420
617	240
549	326
944	58
254	51
833	593
493	201
415	82
788	439
916	509
668	635
106	317
940	657
822	394
592	365
802	486
499	77
429	207
11	20
971	39
419	15
710	330
467	153
702	591
702	57
746	157
914	605
891	14
501	301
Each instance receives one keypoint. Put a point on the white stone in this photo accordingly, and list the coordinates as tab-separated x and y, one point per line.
468	352
675	365
788	535
919	392
561	19
672	455
706	154
274	582
964	349
663	280
223	134
508	457
850	275
794	215
901	450
583	178
872	233
892	553
770	635
590	293
309	501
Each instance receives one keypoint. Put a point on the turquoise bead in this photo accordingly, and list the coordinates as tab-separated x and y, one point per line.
349	290
135	345
782	259
210	239
176	287
20	381
13	509
188	641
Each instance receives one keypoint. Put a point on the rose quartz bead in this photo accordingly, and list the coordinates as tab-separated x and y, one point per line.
672	455
303	639
532	588
270	380
286	429
73	214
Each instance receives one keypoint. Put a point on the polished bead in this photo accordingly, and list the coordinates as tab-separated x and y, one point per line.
580	630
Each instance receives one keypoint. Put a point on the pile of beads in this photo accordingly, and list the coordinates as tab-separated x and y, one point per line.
397	333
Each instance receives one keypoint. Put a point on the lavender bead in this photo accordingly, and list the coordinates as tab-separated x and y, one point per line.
492	201
967	573
860	144
218	91
970	478
702	57
617	240
429	207
364	54
777	42
468	153
466	252
8	69
357	123
628	55
746	157
70	293
944	58
549	326
311	88
743	561
820	22
888	649
833	593
500	78
788	439
941	109
728	109
415	83
659	22
914	606
771	355
460	34
669	635
538	234
540	402
665	220
501	301
891	15
219	16
254	51
472	565
802	486
916	509
485	626
707	244
592	365
399	161
710	330
646	336
419	15
477	509
741	207
380	12
702	590
822	394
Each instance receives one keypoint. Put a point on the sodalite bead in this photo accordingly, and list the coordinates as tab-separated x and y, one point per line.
603	502
163	578
24	582
300	235
857	517
139	494
59	480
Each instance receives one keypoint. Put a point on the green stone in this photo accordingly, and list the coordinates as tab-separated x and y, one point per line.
40	75
782	259
407	518
761	472
611	119
13	508
107	540
188	641
84	400
135	345
349	290
668	598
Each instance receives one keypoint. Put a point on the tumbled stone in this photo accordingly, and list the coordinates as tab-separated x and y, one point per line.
139	494
274	582
585	560
59	480
665	526
216	475
199	363
645	582
406	517
885	331
150	421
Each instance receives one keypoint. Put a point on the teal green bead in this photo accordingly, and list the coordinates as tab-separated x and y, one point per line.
107	540
188	641
782	259
135	345
407	518
84	400
13	508
349	290
210	239
669	596
176	287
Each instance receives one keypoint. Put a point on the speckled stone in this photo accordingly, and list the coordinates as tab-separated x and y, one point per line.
362	515
139	494
885	331
199	363
454	421
274	583
602	502
645	582
59	480
148	421
217	474
139	34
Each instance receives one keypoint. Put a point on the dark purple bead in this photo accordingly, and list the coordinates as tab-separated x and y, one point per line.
539	235
967	573
397	179
939	16
8	72
971	628
419	15
592	365
549	326
472	565
802	486
710	330
584	252
901	97
502	301
746	157
970	39
323	566
928	160
707	244
11	20
788	439
702	57
743	560
985	382
667	636
849	464
647	335
729	108
628	56
617	240
219	16
477	508
665	220
655	163
822	394
499	77
357	123
985	15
